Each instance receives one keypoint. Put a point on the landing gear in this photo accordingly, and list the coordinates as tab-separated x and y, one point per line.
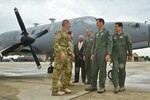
110	74
51	67
1	57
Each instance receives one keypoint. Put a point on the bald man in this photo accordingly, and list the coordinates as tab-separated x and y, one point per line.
79	62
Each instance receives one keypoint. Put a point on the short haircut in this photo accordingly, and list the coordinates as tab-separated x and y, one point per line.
65	21
100	20
89	30
119	24
69	32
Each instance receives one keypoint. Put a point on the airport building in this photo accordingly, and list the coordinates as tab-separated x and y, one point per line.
136	58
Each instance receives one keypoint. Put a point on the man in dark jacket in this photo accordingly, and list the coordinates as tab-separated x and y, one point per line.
79	62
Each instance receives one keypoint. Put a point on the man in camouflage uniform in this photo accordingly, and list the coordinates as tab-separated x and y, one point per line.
61	59
122	45
71	57
100	54
87	55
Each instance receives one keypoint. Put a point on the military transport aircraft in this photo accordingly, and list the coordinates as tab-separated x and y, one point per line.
39	39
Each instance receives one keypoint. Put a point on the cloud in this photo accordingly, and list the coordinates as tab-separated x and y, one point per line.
41	10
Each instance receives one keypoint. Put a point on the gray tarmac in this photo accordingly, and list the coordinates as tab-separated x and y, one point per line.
23	81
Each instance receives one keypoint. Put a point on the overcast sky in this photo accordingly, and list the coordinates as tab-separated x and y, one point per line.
41	10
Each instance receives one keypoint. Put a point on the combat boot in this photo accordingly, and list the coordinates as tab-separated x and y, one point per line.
59	93
91	88
67	91
116	90
87	83
101	90
122	89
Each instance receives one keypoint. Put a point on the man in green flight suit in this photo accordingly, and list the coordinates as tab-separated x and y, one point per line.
122	47
100	54
61	60
87	55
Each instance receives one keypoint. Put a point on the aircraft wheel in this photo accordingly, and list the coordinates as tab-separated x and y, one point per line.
50	69
110	74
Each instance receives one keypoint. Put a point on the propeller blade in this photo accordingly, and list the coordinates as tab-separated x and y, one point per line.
13	48
22	26
35	58
41	33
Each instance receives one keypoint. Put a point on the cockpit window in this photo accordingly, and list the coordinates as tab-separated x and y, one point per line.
88	20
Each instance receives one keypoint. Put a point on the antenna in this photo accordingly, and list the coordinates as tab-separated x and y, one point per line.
52	20
36	24
146	22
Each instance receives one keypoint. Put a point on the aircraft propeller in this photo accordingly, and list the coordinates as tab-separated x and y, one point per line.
25	40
